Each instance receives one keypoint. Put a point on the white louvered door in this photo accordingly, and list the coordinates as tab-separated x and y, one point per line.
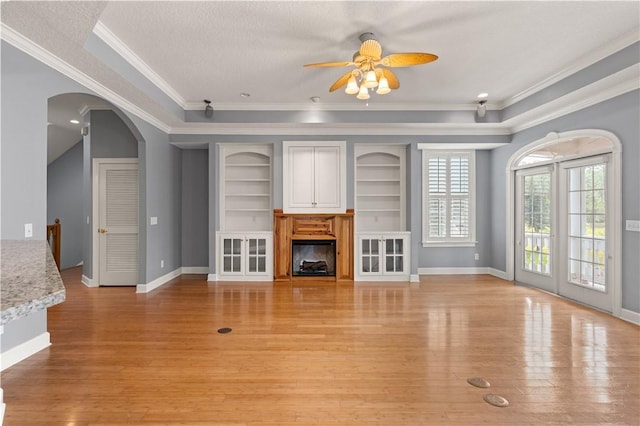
117	229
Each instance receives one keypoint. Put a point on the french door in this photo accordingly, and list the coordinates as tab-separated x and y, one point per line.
585	224
562	218
535	222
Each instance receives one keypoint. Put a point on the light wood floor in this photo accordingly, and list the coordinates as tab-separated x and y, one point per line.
326	354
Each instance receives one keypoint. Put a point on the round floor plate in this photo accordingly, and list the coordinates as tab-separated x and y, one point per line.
478	382
497	400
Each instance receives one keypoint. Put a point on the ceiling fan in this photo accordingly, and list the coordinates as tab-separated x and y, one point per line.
370	68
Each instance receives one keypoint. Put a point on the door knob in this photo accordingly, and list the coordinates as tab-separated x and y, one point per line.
102	230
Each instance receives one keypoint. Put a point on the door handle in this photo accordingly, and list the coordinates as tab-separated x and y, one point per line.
102	230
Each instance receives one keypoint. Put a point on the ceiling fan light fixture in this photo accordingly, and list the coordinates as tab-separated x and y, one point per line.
363	93
383	86
370	79
352	86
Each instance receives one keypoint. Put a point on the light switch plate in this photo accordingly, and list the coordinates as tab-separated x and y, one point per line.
154	220
633	225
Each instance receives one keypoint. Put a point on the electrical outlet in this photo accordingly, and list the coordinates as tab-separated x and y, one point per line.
28	230
153	220
476	256
162	264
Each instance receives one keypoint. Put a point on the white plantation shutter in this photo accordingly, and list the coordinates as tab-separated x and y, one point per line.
448	196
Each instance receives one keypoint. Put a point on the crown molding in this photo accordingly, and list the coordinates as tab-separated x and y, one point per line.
369	129
105	34
617	84
20	42
582	63
355	106
614	85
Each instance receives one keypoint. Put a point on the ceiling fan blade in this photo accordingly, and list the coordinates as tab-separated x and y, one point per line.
340	82
330	64
407	59
393	81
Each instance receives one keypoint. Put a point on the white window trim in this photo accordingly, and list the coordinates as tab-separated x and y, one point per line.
449	241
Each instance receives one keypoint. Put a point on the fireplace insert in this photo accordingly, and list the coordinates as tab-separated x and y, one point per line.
313	257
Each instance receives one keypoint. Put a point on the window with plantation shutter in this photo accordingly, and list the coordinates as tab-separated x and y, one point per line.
448	194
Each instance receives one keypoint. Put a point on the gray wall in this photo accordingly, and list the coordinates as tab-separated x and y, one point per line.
64	202
195	207
619	116
108	137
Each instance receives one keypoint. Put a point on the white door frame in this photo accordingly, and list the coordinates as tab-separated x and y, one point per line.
95	190
616	219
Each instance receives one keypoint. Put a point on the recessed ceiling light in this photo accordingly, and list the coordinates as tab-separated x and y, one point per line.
74	121
483	95
245	95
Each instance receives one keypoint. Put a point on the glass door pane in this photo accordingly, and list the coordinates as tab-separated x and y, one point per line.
257	255
586	217
232	255
394	254
536	221
369	255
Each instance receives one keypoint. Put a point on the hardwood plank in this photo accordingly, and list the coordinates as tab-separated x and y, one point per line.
319	353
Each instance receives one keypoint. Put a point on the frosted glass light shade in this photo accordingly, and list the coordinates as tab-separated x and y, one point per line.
370	80
363	93
383	86
352	86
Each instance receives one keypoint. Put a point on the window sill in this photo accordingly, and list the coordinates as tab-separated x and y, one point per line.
449	244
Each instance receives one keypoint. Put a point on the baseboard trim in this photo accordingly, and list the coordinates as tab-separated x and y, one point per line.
158	282
87	281
414	278
383	278
195	269
630	316
212	277
24	350
498	273
454	271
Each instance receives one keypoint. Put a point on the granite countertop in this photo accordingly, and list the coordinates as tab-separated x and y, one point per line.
29	279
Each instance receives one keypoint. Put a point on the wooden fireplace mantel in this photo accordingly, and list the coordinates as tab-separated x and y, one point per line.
288	227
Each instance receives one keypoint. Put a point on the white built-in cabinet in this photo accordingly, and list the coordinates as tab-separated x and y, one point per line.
383	255
245	239
382	250
245	256
314	177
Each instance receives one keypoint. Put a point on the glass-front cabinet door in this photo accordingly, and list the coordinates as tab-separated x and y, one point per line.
383	254
256	255
245	256
232	255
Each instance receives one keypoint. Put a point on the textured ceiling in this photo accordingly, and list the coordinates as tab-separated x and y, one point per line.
220	49
217	50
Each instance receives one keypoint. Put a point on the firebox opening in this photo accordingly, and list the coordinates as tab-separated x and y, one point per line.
313	258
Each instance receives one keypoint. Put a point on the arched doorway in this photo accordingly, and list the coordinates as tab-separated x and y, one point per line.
564	207
103	135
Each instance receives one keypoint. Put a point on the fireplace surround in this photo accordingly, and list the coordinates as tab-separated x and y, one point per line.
315	235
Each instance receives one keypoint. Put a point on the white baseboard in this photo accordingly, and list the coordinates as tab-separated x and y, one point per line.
87	281
630	316
498	273
24	350
414	278
385	278
212	277
242	278
146	288
195	269
453	271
